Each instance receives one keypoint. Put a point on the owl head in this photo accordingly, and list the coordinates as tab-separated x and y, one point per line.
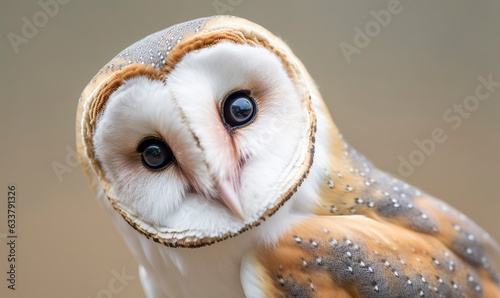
200	131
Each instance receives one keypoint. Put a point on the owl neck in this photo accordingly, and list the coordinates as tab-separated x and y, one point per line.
187	272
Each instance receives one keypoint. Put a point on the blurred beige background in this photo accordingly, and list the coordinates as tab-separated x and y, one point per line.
394	91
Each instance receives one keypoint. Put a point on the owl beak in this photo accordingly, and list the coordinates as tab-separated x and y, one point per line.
229	198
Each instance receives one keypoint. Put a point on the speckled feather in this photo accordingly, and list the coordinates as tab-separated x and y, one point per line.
343	256
376	236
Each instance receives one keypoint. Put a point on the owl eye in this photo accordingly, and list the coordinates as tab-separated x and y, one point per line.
239	109
156	155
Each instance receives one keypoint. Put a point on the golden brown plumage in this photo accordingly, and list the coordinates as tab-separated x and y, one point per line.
359	257
407	244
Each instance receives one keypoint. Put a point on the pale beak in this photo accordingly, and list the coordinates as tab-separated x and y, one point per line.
229	197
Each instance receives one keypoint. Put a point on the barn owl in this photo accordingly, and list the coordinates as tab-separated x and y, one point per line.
216	157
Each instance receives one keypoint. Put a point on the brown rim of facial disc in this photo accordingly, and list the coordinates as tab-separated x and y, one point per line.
208	33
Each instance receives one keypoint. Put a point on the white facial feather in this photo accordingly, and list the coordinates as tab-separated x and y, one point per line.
133	113
185	112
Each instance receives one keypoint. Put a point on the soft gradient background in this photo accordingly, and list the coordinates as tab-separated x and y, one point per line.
393	92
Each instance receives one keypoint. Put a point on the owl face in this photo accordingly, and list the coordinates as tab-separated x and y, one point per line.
206	150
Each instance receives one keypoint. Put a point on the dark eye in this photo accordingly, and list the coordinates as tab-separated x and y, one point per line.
155	153
239	109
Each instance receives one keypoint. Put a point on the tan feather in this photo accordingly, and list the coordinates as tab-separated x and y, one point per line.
344	256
